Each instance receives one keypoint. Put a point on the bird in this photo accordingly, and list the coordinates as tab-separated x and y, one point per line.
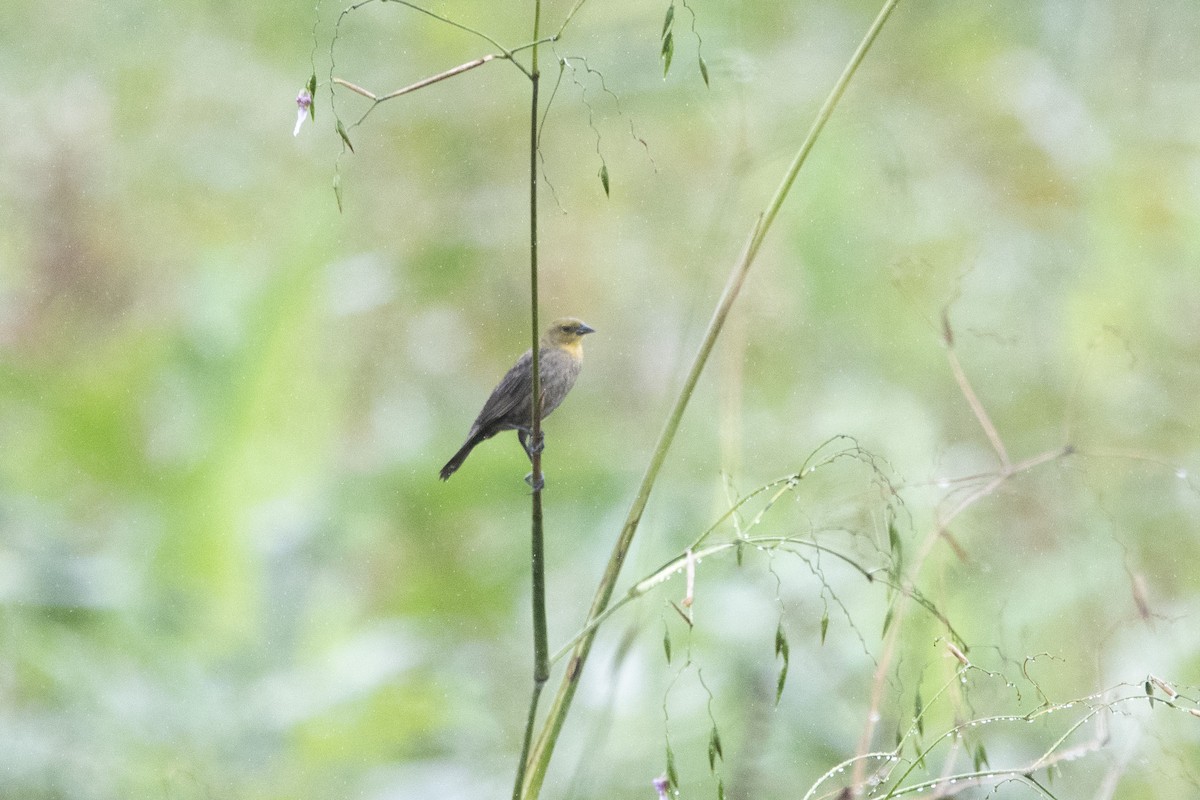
510	408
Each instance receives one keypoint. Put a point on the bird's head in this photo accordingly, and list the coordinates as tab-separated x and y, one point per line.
566	333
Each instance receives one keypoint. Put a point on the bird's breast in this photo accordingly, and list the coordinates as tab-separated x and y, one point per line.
559	369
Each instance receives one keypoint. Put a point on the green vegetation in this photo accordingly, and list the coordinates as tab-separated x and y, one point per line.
939	469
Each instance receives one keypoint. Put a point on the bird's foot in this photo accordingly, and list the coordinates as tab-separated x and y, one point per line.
531	445
537	485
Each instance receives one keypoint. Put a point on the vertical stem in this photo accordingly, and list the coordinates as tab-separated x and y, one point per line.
530	722
541	646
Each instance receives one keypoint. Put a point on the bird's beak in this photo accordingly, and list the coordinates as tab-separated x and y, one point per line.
585	329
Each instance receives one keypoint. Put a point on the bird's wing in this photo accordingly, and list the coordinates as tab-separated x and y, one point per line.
513	390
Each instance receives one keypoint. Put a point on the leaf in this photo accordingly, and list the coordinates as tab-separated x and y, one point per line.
918	712
703	70
738	552
897	564
312	92
979	757
824	626
337	190
894	541
781	649
667	644
782	680
672	775
670	18
720	789
668	50
604	178
887	620
341	131
714	750
1149	692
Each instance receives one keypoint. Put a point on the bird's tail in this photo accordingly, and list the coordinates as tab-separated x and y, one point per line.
458	458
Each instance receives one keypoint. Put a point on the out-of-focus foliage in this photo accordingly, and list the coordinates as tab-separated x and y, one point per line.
227	568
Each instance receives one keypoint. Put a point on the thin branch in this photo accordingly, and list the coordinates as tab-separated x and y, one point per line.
356	89
972	399
421	84
567	19
459	25
536	42
441	76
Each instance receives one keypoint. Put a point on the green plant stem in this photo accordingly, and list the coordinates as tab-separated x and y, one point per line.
541	643
570	16
541	647
530	722
544	748
459	25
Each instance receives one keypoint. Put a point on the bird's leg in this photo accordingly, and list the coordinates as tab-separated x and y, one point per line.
532	448
531	445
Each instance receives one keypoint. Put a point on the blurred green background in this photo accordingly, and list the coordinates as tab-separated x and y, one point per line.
227	568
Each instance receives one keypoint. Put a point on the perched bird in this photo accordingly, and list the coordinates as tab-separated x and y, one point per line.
510	408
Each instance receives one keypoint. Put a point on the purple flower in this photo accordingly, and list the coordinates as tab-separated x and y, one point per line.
303	110
661	785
